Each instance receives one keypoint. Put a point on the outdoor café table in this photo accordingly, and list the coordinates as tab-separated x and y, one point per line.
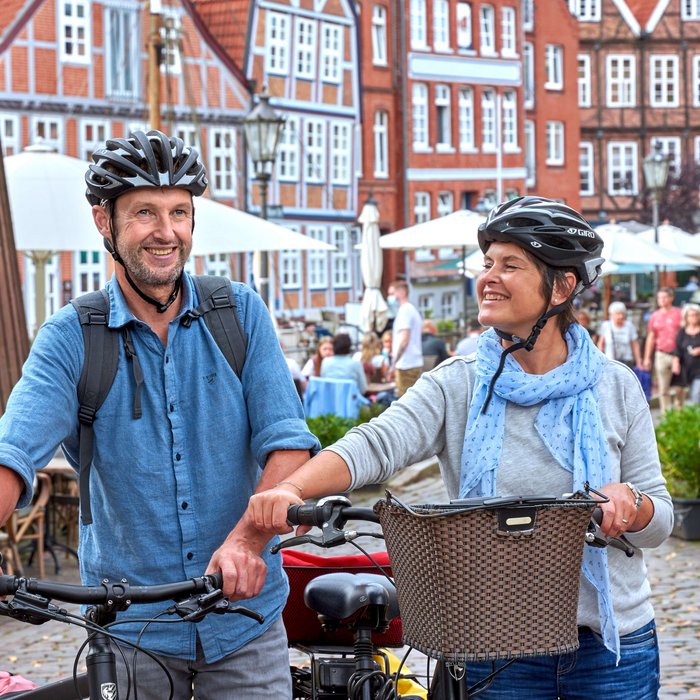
61	501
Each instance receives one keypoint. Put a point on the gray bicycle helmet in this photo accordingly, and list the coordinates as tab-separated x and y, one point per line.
553	232
144	160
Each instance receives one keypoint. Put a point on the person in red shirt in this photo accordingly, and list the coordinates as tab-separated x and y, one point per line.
664	324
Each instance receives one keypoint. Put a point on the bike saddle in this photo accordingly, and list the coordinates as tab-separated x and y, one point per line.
340	595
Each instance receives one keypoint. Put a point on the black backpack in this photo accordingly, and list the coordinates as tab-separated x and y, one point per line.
218	310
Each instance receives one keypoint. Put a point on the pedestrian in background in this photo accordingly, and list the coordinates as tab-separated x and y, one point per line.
341	365
406	349
686	362
660	345
617	337
431	344
312	368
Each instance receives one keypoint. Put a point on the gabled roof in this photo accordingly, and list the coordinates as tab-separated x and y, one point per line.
224	24
14	15
641	15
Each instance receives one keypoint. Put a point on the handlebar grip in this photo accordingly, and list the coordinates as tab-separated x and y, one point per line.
302	515
217	579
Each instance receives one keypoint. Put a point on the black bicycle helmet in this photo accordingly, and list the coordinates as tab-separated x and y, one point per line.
144	160
554	233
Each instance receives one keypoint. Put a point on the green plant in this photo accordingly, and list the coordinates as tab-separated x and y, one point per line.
329	428
678	439
445	325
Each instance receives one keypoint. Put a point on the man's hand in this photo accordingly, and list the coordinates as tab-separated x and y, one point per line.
241	565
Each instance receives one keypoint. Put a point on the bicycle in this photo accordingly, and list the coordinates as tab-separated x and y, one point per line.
367	604
30	602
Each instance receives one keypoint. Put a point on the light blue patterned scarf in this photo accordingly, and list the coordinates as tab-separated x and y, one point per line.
569	424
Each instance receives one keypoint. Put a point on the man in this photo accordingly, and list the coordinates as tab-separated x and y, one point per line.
169	489
468	344
663	328
431	344
406	347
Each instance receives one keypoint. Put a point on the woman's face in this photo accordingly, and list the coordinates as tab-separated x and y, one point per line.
692	317
325	349
618	318
509	290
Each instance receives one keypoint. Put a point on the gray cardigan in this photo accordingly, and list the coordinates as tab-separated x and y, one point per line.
416	428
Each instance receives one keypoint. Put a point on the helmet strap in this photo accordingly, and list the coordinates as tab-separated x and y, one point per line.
161	308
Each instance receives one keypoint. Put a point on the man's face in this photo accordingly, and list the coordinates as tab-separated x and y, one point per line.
153	233
664	300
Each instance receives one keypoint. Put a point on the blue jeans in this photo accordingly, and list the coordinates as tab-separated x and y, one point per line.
587	674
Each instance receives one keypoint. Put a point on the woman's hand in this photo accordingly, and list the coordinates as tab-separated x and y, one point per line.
620	514
268	509
676	365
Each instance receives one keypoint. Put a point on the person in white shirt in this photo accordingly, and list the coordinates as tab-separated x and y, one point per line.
407	345
617	337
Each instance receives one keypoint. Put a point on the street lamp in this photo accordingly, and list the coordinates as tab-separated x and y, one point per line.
656	173
263	128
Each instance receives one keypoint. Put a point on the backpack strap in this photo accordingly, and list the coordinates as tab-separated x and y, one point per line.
99	369
218	309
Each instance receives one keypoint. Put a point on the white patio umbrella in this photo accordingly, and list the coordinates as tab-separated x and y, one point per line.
456	230
374	310
675	239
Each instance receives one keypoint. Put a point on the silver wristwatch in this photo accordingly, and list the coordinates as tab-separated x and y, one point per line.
638	495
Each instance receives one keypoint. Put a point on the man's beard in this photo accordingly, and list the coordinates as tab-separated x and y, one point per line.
142	274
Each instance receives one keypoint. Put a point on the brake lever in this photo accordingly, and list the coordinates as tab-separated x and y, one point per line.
595	538
31	608
294	541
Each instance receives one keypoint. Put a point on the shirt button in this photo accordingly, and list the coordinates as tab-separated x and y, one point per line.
190	556
172	407
178	456
184	505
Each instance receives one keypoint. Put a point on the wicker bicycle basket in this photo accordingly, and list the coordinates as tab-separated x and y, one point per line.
487	583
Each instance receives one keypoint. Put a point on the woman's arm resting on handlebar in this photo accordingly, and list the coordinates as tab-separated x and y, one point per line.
238	558
325	474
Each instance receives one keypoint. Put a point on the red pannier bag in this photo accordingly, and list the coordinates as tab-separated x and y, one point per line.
302	623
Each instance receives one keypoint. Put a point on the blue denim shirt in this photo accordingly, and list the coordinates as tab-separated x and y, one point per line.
166	489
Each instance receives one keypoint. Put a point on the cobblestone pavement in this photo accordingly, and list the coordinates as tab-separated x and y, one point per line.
47	652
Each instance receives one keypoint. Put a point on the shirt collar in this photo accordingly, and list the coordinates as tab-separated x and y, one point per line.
119	312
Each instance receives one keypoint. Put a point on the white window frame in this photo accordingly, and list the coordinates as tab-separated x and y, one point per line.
586	10
48	131
508	34
555	143
419	112
445	203
331	52
315	150
419	24
425	303
663	81
122	52
696	80
671	148
696	149
465	29
443	118
11	142
509	115
488	121
94	269
305	48
341	152
379	34
317	260
287	160
528	75
421	207
554	67
381	143
448	304
222	161
623	157
528	13
74	31
277	42
290	270
621	88
690	9
340	258
92	134
189	134
171	37
441	25
529	136
583	64
466	120
586	169
217	264
487	30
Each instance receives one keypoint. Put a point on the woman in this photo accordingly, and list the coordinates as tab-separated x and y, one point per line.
324	349
537	409
617	337
340	365
370	357
686	360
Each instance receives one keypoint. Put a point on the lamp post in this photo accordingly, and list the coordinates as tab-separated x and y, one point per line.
656	173
263	128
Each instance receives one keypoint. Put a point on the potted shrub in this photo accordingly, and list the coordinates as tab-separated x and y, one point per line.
678	438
